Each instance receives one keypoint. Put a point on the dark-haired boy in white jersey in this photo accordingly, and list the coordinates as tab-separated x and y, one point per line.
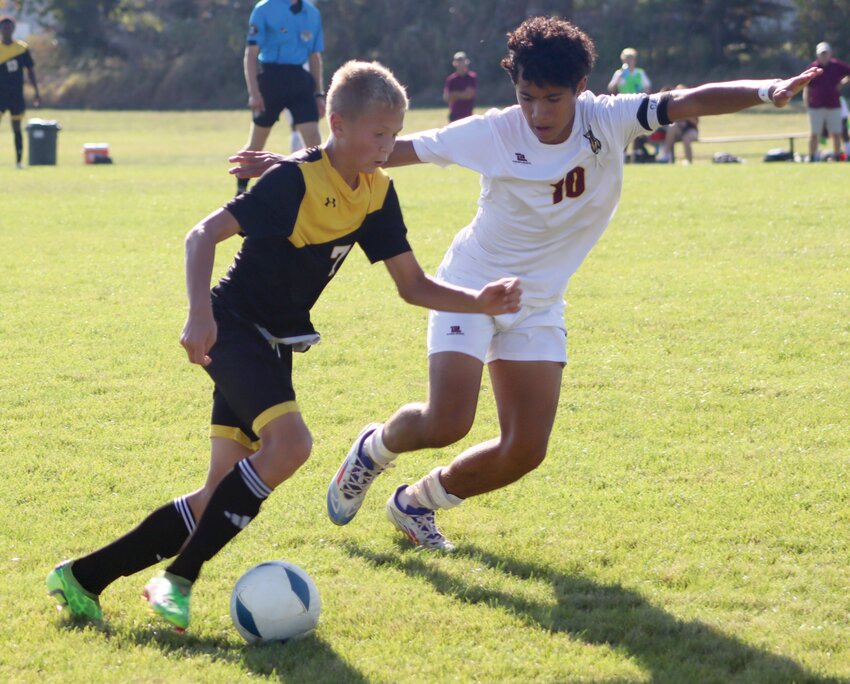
551	175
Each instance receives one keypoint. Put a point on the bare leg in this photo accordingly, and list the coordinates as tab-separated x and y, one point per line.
836	145
688	139
813	146
527	399
669	141
224	455
310	133
237	499
257	137
447	415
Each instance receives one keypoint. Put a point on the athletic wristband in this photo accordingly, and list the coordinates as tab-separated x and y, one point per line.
764	92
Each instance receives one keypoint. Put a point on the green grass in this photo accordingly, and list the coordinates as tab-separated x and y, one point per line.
689	525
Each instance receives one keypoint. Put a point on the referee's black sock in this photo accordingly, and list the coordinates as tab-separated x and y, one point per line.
242	185
234	503
158	536
19	145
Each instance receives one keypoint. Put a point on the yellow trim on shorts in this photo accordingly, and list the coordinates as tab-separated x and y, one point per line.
234	433
273	412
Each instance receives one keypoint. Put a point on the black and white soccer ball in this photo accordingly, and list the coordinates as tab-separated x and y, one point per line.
275	601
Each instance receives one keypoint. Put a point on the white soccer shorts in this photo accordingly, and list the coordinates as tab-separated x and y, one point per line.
531	334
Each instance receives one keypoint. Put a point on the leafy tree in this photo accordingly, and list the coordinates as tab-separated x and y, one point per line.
827	20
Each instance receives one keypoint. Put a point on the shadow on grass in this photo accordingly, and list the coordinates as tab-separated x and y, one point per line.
670	649
306	660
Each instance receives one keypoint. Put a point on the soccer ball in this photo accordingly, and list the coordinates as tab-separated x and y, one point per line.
275	601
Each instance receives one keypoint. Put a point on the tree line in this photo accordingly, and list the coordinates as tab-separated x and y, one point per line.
188	53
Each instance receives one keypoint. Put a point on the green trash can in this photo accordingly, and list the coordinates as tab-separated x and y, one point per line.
41	136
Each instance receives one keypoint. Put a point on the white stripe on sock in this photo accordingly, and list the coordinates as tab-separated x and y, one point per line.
185	512
252	480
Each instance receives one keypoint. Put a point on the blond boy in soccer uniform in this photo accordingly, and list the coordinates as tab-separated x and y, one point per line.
299	223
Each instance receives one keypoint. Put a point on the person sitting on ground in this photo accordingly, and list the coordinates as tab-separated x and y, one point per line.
685	131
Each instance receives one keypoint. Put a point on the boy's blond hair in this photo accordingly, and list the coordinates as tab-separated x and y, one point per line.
355	86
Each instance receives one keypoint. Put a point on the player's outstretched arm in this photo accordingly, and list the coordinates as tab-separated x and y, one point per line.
253	163
415	287
199	333
733	96
403	154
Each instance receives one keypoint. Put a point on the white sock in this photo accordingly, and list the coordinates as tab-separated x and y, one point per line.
428	493
376	449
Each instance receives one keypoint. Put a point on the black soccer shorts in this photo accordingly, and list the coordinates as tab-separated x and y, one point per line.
14	104
286	86
253	380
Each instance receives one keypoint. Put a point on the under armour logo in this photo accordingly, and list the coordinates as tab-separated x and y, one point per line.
454	330
239	521
595	143
520	158
330	202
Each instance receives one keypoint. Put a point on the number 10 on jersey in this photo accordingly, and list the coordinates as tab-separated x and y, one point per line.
571	185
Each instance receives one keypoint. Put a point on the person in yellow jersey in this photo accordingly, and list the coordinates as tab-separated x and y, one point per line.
299	223
15	57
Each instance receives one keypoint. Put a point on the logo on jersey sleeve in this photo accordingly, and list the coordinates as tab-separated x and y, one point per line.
595	143
520	158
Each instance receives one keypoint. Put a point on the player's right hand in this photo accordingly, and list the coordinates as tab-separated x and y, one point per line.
500	297
256	103
198	337
253	163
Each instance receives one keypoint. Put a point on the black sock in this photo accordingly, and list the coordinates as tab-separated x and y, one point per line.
19	145
158	536
234	503
242	185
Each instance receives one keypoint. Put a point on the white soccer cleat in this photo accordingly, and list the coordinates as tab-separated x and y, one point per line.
418	525
349	486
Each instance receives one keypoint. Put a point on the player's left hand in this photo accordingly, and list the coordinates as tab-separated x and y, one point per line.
785	90
36	101
253	163
500	297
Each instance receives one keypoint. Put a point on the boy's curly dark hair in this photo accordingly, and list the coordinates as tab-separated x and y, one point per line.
549	51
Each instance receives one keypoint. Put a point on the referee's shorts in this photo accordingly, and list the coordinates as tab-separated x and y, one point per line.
286	86
14	104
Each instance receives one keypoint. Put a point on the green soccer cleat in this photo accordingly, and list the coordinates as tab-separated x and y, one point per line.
64	587
168	596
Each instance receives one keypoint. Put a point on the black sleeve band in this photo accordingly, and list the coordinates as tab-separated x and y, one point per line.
663	117
652	112
641	115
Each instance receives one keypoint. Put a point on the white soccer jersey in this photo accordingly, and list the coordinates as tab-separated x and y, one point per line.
542	207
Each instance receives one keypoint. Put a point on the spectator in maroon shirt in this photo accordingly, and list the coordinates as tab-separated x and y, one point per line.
821	97
459	91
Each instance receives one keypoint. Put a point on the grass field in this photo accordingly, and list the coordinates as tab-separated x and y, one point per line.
689	525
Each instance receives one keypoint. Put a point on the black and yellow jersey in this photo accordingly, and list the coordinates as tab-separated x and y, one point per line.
299	222
14	57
